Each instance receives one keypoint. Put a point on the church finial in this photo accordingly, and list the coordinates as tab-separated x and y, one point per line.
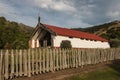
39	18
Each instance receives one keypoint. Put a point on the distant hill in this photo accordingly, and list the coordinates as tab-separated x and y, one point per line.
14	35
110	31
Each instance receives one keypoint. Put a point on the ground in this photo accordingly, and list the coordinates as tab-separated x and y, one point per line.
66	73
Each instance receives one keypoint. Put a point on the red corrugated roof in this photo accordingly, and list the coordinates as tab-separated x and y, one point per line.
74	33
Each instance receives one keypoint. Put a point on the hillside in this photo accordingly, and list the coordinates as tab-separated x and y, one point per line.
14	35
110	31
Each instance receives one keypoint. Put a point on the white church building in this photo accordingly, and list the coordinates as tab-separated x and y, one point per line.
52	36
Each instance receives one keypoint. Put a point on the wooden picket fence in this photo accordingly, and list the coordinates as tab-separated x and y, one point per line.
15	63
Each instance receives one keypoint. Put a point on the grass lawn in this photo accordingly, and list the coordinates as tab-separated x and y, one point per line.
110	73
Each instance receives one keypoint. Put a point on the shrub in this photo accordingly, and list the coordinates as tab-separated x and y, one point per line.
65	44
114	43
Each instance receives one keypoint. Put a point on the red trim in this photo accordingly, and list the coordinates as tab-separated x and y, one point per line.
74	33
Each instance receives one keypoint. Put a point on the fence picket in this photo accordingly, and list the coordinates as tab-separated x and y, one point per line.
36	60
40	61
68	58
12	64
25	62
76	58
60	59
65	59
47	60
32	55
6	64
51	61
1	63
29	63
43	60
20	63
57	61
16	62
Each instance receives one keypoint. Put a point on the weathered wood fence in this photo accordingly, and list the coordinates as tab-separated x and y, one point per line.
14	63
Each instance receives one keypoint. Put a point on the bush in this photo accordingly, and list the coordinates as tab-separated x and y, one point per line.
114	43
65	44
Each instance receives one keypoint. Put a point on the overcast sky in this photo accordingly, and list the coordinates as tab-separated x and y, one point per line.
63	13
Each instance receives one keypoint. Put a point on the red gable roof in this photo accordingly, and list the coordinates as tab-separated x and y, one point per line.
74	33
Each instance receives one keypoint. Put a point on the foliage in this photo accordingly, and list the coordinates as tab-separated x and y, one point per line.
12	36
65	44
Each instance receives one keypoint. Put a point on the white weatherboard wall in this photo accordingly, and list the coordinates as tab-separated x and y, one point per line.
80	43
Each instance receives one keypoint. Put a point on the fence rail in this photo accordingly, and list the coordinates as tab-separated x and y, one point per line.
14	63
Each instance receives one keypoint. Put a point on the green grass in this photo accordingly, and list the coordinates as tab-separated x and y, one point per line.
104	74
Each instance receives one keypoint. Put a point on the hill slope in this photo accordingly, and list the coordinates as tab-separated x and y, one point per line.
110	31
14	35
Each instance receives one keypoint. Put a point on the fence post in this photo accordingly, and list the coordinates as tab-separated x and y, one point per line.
47	60
20	63
118	49
1	64
36	60
12	63
72	60
62	51
101	56
40	61
6	64
76	58
43	60
65	60
88	56
29	63
68	57
16	62
33	60
95	55
79	57
57	61
51	61
60	60
25	62
82	59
